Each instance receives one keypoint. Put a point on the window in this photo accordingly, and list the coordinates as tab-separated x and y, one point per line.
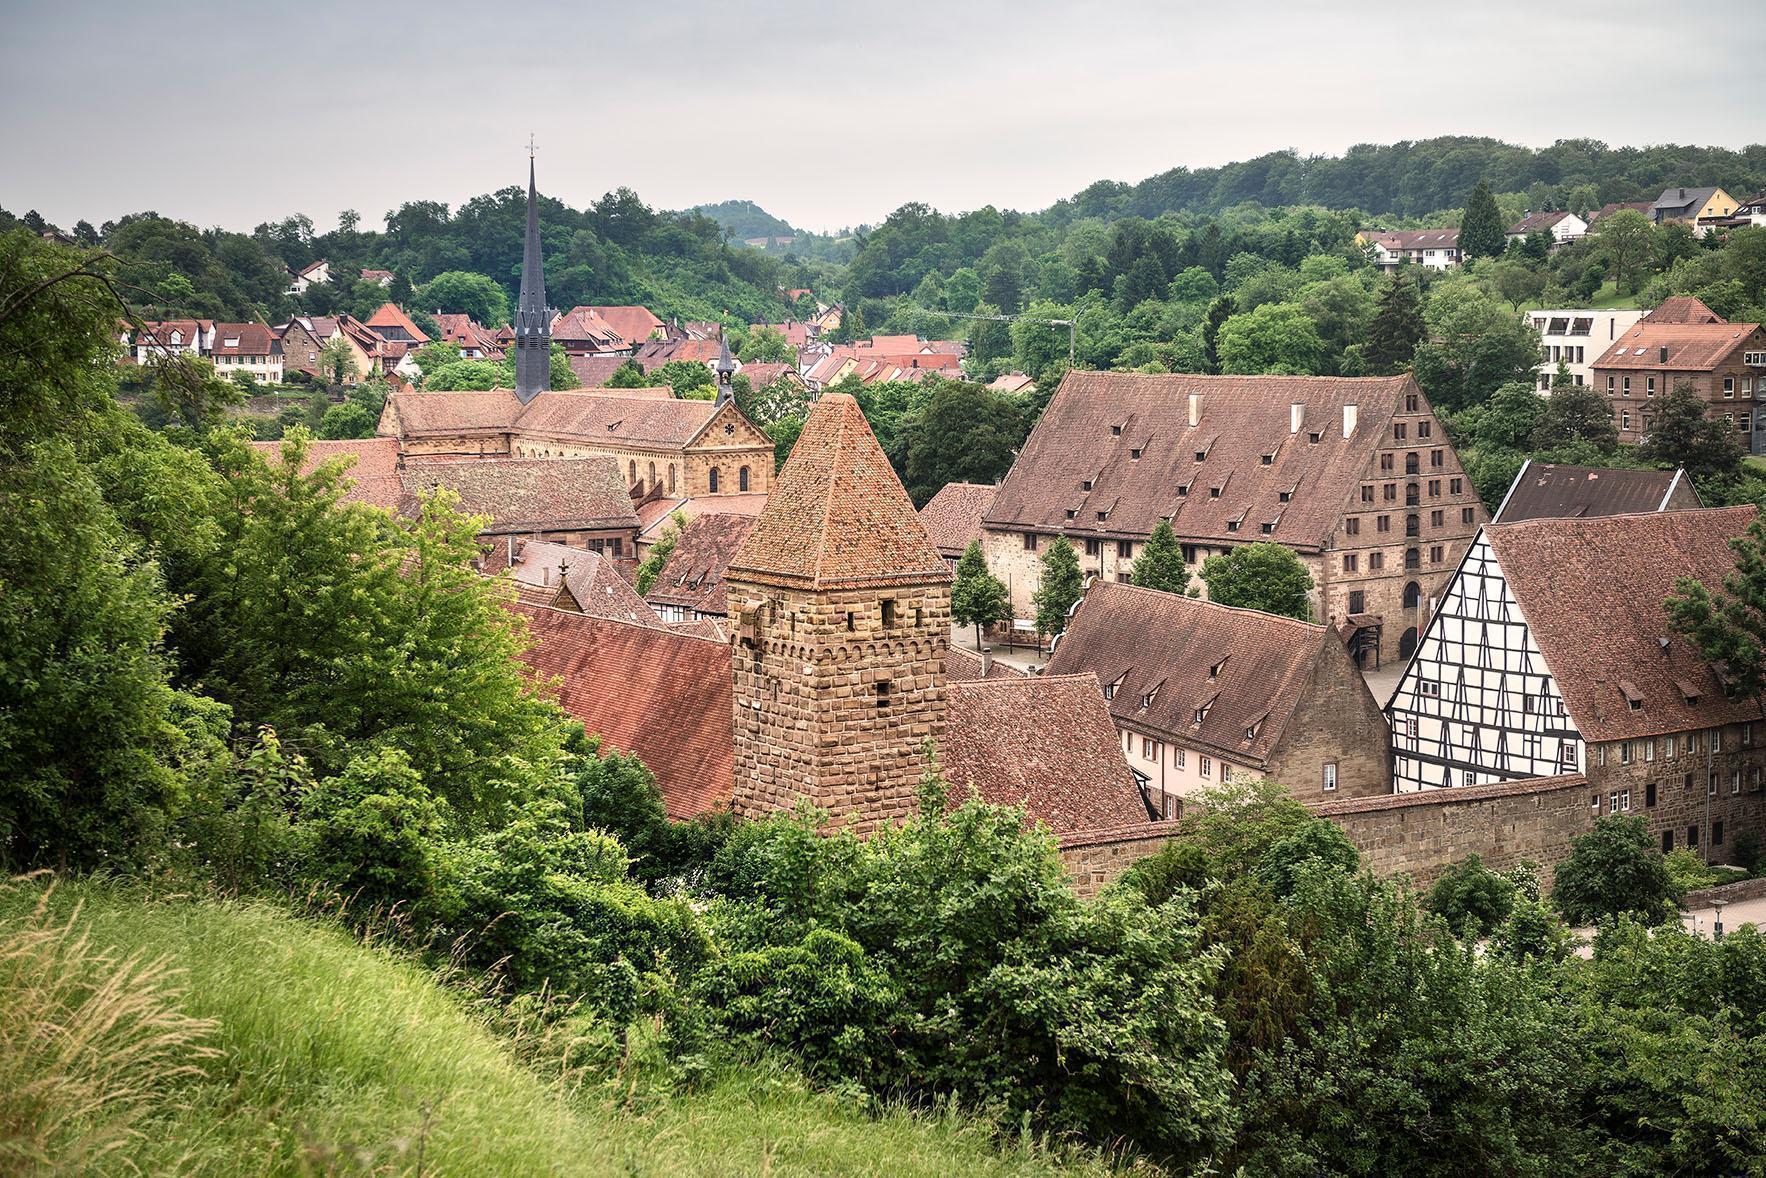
1434	488
1717	833
1667	841
1147	747
1716	740
1422	431
1626	386
1178	758
1625	419
1567	757
1205	766
1455	486
1613	802
632	472
1625	752
1398	430
1734	781
1092	547
1436	518
1728	391
1350	562
1466	515
1124	549
1383	524
1116	431
888	612
1692	837
1625	801
1358	600
1437	459
1609	386
671	478
1649	796
1330	776
1411	463
882	697
1387	462
1376	560
742	479
1030	541
1226	772
1352	526
713	480
1389	492
1367	494
1594	803
1711	785
1413	495
1410	402
1437	554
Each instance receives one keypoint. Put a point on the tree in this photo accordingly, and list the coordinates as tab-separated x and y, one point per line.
1685	434
348	420
977	597
461	292
1397	327
1624	237
1061	588
784	434
1160	564
766	345
1614	869
1515	280
1473	346
1471	898
628	375
1272	338
337	361
1262	576
1729	629
688	378
651	566
1219	311
964	433
1575	417
1481	232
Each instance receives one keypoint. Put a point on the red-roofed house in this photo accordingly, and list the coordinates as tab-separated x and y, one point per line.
953	517
389	322
171	337
580	331
378	277
1725	363
251	348
636	325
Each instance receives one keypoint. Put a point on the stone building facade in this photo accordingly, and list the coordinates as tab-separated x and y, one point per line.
1355	475
1725	363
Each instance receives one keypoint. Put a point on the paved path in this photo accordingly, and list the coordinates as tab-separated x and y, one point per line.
1735	915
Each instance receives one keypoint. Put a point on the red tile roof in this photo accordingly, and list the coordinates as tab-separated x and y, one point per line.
373	467
661	694
591	583
952	517
654	514
693	575
1608	209
760	375
1592	591
635	324
1097	421
389	315
1042	742
244	339
582	327
1416	239
655	353
1682	309
593	372
1533	221
965	664
1245	668
651	417
531	494
838	516
465	331
1691	347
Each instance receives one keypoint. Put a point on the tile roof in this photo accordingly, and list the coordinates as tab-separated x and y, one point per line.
464	330
582	326
373	467
1244	669
693	575
1097	421
1683	309
655	353
1416	239
661	694
654	514
244	339
607	416
965	664
838	516
952	518
595	584
594	372
1611	207
1560	491
1043	742
531	494
1533	221
1690	347
1591	591
1012	382
381	276
796	333
760	375
635	324
389	315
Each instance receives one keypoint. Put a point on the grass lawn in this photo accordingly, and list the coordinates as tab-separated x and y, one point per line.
205	1037
1607	298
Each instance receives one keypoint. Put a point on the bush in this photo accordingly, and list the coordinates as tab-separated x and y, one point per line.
1614	869
1471	898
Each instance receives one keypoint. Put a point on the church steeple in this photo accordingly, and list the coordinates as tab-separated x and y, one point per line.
726	368
533	319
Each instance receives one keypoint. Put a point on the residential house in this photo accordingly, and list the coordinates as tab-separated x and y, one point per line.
581	331
378	277
580	502
1701	208
1355	475
307	275
1751	211
301	338
1576	339
251	348
1608	209
1551	653
1563	227
795	332
635	325
1437	249
1012	383
1683	309
1201	694
1556	490
390	322
566	577
690	584
170	337
466	333
666	446
653	354
1725	363
762	375
952	518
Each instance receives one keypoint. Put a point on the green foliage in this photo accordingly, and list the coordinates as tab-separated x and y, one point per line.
765	345
977	597
1263	576
348	420
373	830
651	566
1482	228
1614	869
1473	347
618	795
784	434
1397	327
962	433
1471	898
1060	588
629	375
1729	628
1685	433
460	292
1272	338
1575	417
1623	238
688	378
1160	564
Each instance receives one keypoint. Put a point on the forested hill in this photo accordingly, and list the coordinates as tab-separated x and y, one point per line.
1415	178
745	219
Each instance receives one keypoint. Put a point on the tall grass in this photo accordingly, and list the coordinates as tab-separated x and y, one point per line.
231	1038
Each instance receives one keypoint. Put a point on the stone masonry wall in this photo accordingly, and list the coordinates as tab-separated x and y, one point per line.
1335	720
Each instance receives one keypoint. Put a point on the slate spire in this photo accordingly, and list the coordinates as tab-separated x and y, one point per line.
726	368
533	319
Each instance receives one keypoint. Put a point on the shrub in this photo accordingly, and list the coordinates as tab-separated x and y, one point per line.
1471	898
1614	869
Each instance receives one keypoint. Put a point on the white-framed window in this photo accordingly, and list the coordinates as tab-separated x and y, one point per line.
1625	753
1735	781
1226	771
1613	802
1625	800
1649	751
1205	767
1330	776
1178	758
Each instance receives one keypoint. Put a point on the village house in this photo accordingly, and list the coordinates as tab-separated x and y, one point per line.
1355	475
251	348
1608	209
1751	211
1555	490
1701	208
307	275
1576	339
952	518
1725	363
1436	249
1564	227
301	341
564	576
390	322
690	585
580	502
1200	694
1551	654
378	277
467	334
581	331
635	325
170	337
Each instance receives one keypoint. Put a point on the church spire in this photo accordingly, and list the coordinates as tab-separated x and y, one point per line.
726	368
533	319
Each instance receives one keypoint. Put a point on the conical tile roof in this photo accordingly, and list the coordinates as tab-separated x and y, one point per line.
837	517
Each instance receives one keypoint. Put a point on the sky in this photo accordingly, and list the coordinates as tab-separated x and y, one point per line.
826	115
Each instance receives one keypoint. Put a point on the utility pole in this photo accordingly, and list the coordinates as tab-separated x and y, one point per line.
1069	324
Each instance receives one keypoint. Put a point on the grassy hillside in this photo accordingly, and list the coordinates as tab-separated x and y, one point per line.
173	1035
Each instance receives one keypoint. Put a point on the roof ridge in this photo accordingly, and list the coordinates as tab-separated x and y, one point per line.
663	628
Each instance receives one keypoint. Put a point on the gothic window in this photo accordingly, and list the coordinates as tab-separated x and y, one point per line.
652	475
632	472
671	478
1413	593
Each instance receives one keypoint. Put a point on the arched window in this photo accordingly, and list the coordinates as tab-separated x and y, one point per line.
713	483
633	468
1410	463
1413	559
742	479
1412	525
1413	593
671	478
1412	495
653	475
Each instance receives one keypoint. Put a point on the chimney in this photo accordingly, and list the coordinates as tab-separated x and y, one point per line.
1350	414
1683	194
986	660
1296	416
1195	409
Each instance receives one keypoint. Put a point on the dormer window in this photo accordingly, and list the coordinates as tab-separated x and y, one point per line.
1214	671
1214	492
1110	688
1633	697
1232	525
1085	484
1116	431
1135	454
1202	710
1183	490
1315	436
1269	527
1201	455
1688	691
1269	459
1102	516
1072	513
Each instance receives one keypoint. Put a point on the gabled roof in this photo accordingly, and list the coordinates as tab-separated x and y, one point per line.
838	516
373	468
1560	491
606	417
584	324
1097	422
653	354
1244	668
654	514
1042	742
965	664
1415	239
1674	200
693	575
578	579
1591	590
389	315
760	375
244	339
593	372
661	694
1690	347
1683	309
634	324
1608	209
530	494
952	518
1536	221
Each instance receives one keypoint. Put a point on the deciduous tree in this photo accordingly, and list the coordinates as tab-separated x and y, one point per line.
1263	576
1061	588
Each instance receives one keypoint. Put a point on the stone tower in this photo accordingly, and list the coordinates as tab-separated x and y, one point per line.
840	615
533	319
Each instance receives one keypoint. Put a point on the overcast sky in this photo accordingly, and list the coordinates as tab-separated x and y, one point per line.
827	115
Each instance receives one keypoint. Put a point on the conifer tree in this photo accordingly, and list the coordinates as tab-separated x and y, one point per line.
1480	226
1397	327
1160	564
977	597
1062	586
1219	311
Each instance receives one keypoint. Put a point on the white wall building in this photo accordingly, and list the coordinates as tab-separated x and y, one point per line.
1578	339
